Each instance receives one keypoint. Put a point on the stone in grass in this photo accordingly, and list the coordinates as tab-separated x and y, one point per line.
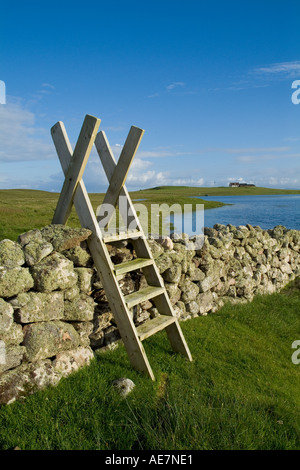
63	237
11	254
35	251
46	339
14	280
54	273
124	386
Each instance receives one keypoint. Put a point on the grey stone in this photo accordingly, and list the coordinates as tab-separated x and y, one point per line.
124	386
85	276
14	280
173	292
11	254
32	235
26	379
205	301
46	339
79	255
63	237
156	248
13	336
84	330
35	251
81	308
67	362
12	357
189	290
172	274
54	273
38	306
6	316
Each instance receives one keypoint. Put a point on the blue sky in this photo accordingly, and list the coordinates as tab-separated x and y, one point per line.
210	82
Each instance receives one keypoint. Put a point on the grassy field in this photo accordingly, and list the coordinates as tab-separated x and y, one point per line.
23	209
240	392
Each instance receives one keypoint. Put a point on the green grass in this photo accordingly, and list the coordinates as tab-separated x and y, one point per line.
240	392
24	209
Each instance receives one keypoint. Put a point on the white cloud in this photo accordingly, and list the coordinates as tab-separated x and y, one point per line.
280	70
20	139
175	85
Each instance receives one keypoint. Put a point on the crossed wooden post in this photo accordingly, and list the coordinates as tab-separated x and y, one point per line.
74	192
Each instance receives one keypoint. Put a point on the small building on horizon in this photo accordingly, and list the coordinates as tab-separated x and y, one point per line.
240	185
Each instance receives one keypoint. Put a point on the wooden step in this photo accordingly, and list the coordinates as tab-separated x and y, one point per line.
126	235
142	295
128	266
150	327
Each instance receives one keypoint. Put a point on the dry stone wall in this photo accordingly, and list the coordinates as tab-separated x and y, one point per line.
54	313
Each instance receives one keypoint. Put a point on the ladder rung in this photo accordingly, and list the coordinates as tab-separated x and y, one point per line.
128	266
142	295
115	237
150	327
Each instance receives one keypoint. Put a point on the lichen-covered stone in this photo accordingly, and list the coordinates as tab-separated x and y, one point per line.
26	379
35	251
173	274
80	256
205	301
156	248
189	290
38	306
14	280
70	361
54	273
6	316
79	309
63	237
11	254
12	357
165	242
14	335
84	330
46	339
163	263
124	386
173	292
32	235
85	276
71	293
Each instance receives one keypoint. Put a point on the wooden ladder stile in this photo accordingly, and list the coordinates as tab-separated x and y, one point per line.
74	192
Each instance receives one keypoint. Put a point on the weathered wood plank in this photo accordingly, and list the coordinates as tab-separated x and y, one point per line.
144	294
150	327
76	168
129	266
133	234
